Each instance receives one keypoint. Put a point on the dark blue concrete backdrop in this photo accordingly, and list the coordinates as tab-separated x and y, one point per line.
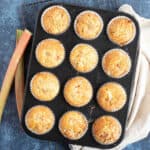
12	136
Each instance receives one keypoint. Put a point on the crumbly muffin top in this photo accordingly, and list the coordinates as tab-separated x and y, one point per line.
116	63
88	25
78	91
84	58
44	86
106	130
121	30
55	20
111	96
39	119
73	125
50	53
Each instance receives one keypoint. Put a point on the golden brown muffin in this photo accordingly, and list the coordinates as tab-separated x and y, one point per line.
111	96
84	58
106	130
50	53
73	125
116	63
121	30
44	86
39	119
88	25
55	19
78	91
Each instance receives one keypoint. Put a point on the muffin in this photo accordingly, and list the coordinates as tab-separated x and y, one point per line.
39	119
44	86
78	91
116	63
111	96
50	53
55	20
88	25
84	58
106	130
121	30
73	125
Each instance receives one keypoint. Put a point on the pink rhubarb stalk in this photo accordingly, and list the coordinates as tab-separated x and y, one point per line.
10	73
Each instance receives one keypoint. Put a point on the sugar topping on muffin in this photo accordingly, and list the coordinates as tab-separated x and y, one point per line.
39	119
44	86
73	125
111	96
78	91
121	30
106	130
116	63
55	19
50	53
88	25
84	58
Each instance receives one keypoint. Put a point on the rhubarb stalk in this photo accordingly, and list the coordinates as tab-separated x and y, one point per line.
10	73
19	79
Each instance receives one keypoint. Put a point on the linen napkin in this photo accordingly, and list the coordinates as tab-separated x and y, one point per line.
138	121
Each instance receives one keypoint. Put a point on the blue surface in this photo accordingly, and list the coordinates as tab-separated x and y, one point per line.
12	136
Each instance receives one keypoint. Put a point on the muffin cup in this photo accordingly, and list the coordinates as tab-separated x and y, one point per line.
31	87
104	85
81	105
130	63
107	30
120	126
47	130
47	9
95	51
100	19
82	133
40	62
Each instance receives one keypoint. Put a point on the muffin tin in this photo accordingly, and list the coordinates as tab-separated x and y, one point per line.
65	71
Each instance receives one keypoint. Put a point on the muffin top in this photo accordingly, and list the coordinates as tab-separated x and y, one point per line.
121	30
39	119
116	63
50	53
106	130
84	58
111	96
73	125
55	19
78	91
88	25
44	86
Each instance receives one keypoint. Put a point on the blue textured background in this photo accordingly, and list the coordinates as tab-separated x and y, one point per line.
12	136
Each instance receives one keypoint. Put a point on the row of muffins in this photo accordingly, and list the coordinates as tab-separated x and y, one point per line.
73	125
88	25
50	53
78	91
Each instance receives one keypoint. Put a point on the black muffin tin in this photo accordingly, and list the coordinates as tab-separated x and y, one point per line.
65	71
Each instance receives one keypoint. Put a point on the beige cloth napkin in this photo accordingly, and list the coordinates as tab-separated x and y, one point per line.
138	121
